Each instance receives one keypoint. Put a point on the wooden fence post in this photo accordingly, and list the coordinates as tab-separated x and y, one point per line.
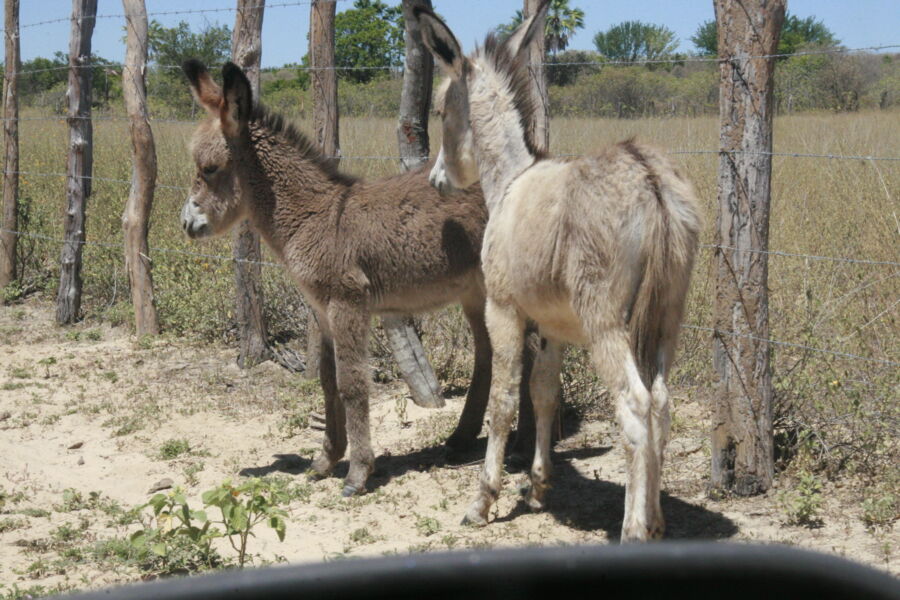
412	135
742	446
246	52
80	160
136	218
10	216
325	126
541	124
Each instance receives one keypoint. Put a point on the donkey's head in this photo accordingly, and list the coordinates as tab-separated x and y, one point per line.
469	80
214	205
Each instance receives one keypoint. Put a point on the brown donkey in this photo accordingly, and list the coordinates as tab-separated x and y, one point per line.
355	248
596	250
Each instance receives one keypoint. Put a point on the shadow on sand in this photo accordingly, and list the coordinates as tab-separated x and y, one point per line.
584	503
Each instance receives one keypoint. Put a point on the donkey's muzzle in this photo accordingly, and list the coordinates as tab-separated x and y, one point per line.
193	222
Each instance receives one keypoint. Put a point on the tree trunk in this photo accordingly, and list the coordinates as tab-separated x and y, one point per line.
325	126
246	52
412	136
136	219
541	124
80	160
415	98
10	223
742	454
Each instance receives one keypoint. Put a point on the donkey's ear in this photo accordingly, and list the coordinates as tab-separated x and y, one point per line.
438	38
521	38
205	91
238	102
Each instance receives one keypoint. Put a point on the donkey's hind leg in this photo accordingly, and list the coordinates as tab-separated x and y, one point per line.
660	415
350	327
544	393
612	356
335	442
472	416
507	330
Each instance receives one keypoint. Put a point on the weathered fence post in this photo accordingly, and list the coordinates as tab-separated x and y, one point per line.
412	135
246	52
10	216
80	160
325	126
136	218
541	124
742	453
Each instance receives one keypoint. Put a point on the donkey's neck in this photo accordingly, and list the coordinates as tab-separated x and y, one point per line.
288	187
499	137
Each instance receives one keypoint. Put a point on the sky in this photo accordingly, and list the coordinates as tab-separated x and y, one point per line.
859	23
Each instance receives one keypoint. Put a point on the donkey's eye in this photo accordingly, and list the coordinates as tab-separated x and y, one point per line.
210	170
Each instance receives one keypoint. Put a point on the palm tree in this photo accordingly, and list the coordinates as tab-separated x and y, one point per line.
562	21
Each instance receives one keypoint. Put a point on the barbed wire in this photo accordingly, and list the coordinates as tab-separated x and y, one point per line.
280	266
599	63
161	13
860	261
792	345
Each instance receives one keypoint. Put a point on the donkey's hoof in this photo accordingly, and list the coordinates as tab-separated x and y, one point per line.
474	518
534	503
473	521
349	490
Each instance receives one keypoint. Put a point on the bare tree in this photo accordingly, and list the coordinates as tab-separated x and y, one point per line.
80	159
541	124
325	125
136	218
742	446
10	216
246	51
412	136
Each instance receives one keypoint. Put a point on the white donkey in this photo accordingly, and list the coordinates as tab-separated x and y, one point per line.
596	250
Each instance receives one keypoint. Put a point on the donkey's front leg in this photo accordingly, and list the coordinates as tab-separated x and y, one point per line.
507	330
350	328
335	442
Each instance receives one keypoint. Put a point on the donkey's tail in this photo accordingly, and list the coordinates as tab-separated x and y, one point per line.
670	226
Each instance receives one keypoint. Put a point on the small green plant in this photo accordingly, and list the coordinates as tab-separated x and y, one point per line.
803	503
177	539
94	335
400	407
47	362
881	508
427	526
11	524
361	536
245	506
110	376
73	335
174	448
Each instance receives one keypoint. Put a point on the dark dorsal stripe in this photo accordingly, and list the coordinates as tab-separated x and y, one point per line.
652	177
277	125
516	68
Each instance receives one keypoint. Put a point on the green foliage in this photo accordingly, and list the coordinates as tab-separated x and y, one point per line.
803	503
427	526
560	69
173	45
171	449
562	21
796	33
706	39
634	40
245	506
368	35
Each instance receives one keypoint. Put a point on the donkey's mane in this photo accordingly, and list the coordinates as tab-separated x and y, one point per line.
278	125
519	83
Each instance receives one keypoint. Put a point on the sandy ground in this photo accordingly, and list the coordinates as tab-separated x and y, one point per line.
89	408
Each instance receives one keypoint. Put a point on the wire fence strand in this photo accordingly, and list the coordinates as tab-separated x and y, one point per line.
399	68
714	331
848	355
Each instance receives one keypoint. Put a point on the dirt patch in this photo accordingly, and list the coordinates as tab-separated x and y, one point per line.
92	409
